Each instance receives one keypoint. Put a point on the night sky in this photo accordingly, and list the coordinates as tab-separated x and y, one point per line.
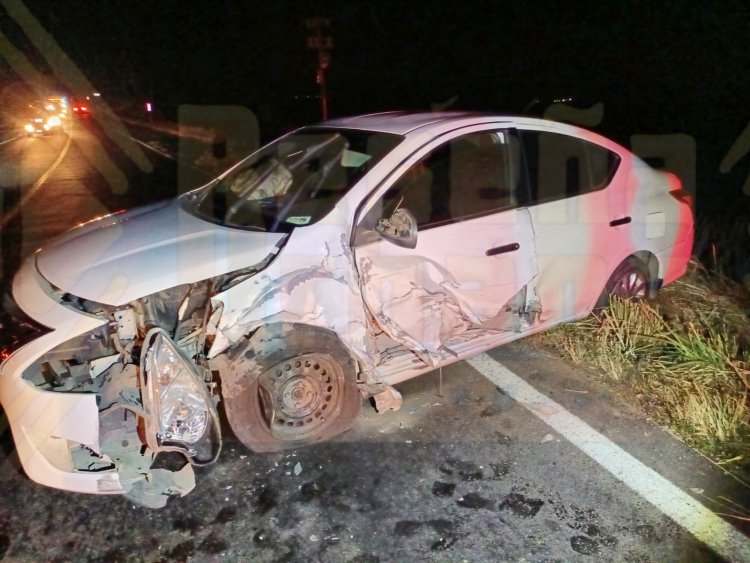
659	67
661	64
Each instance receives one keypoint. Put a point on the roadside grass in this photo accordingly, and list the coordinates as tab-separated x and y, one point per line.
686	356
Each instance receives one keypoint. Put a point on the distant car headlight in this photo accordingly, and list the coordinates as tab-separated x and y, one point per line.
180	413
53	121
29	128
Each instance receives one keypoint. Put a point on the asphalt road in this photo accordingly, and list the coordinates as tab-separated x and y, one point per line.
476	469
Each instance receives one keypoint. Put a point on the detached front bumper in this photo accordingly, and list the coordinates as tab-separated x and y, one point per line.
103	440
44	423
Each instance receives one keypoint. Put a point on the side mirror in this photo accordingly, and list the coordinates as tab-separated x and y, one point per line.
400	228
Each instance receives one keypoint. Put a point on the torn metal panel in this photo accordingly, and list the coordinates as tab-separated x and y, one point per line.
291	290
417	306
449	283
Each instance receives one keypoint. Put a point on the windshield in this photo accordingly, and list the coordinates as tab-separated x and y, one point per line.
294	181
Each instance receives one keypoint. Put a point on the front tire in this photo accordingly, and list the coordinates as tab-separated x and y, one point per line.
306	393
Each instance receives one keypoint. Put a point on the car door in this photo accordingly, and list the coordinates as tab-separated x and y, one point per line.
579	214
444	247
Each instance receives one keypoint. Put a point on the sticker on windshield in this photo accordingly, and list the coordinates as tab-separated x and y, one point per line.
299	219
353	159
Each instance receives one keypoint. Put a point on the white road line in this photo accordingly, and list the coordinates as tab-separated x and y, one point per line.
701	522
9	140
10	215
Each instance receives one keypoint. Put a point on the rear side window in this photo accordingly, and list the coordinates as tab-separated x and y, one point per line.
562	166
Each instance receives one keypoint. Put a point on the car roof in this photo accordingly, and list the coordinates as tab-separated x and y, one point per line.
435	123
403	123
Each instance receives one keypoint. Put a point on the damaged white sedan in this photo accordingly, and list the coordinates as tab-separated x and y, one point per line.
325	268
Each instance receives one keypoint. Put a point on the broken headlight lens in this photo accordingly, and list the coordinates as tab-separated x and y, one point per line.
180	413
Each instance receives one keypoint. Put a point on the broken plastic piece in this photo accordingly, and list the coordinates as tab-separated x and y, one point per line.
126	324
388	399
154	492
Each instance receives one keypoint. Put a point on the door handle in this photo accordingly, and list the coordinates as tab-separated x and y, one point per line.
618	222
503	249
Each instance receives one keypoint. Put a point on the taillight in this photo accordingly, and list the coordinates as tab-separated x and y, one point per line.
683	196
677	191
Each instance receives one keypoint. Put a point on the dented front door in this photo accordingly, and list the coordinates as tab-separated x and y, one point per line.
474	253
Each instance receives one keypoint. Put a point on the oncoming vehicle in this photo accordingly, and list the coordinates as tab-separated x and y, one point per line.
45	116
36	125
327	267
43	119
54	123
42	124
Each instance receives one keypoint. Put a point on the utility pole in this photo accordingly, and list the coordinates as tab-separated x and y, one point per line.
323	44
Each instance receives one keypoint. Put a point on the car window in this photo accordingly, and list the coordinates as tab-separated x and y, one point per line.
466	177
563	166
294	181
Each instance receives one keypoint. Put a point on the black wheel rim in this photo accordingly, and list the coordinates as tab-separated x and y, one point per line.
299	396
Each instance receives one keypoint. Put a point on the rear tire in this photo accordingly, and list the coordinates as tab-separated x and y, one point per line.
306	393
629	282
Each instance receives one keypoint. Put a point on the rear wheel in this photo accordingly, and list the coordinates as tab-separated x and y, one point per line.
629	281
306	392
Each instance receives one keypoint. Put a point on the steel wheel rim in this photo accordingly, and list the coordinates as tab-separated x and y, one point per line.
300	395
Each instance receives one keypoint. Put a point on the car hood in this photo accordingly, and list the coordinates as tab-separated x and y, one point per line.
121	257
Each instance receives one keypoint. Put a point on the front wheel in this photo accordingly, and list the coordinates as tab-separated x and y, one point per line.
306	392
629	282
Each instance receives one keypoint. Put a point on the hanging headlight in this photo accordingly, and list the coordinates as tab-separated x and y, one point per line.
180	413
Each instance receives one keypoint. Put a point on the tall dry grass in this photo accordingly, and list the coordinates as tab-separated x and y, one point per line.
686	355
